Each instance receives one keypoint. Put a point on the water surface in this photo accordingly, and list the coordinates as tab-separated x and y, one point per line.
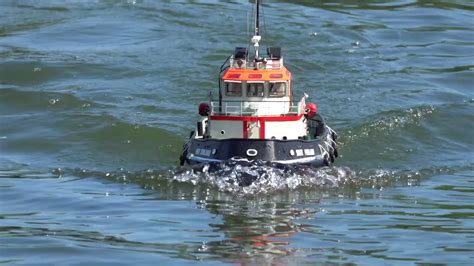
97	97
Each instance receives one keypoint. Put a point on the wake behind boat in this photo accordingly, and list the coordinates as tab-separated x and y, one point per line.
255	117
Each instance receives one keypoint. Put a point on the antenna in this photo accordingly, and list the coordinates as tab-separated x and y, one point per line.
257	18
256	38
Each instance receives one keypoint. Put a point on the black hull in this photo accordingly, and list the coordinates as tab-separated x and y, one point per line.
317	152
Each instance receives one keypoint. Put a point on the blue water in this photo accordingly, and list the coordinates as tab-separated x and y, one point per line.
97	98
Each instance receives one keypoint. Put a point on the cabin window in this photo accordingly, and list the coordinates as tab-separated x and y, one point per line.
277	89
255	90
233	89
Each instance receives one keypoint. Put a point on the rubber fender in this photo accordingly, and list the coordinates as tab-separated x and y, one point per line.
327	161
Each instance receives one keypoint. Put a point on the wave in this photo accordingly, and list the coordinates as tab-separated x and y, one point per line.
261	178
387	5
384	123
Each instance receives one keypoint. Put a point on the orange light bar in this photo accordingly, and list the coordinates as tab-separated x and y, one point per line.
260	74
255	76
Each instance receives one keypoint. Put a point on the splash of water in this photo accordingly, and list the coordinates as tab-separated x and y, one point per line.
252	178
261	177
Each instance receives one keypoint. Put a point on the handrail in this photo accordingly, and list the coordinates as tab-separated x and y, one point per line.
266	63
257	108
223	66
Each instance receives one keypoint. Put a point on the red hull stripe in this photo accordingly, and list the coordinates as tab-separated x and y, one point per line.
246	119
257	118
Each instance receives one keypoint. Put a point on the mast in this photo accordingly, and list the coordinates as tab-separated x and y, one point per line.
257	22
256	38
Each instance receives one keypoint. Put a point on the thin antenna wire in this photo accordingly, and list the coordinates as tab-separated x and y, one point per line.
248	25
264	23
251	18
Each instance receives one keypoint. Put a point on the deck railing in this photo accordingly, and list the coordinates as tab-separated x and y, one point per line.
250	64
257	108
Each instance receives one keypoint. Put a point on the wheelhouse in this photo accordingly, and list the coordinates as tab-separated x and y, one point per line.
255	100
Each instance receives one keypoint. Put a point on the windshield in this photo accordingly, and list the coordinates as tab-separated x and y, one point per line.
233	89
255	90
277	89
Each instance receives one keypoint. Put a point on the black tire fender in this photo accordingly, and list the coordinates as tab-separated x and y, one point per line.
327	161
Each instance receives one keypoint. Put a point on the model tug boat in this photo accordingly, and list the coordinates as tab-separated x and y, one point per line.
255	117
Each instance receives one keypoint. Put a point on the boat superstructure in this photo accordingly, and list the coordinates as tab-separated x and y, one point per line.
255	116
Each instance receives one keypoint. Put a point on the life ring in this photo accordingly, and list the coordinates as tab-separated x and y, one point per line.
252	152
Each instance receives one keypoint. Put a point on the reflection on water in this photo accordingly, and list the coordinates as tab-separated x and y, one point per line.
255	229
255	226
